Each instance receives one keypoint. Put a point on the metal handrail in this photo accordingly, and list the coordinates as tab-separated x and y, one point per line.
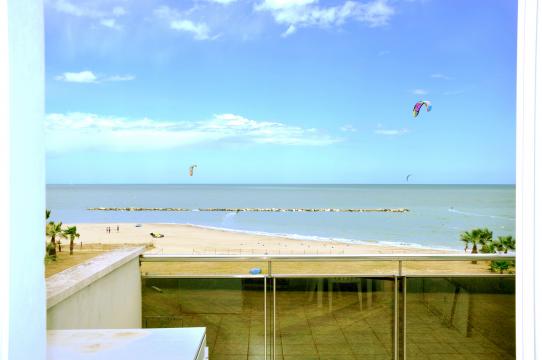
364	257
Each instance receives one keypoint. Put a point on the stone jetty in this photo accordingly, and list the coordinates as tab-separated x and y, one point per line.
393	210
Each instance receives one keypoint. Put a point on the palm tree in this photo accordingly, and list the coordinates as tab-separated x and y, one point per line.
486	237
499	244
486	241
482	237
466	237
475	235
71	232
504	243
500	266
54	230
490	247
508	243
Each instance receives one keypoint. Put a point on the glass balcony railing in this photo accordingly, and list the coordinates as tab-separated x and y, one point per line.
337	307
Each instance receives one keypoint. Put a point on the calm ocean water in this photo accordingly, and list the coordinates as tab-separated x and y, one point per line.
438	213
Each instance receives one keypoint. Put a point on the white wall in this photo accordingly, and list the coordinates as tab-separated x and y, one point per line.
22	190
111	302
529	181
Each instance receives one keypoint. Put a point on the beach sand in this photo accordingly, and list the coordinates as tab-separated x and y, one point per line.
188	239
193	240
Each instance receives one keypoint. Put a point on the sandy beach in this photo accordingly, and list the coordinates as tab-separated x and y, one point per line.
193	240
188	239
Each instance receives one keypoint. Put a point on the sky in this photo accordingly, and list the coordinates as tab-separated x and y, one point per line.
280	91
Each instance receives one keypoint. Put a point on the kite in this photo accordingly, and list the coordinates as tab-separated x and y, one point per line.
408	177
191	170
419	105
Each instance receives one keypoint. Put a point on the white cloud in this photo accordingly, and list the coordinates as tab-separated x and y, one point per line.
69	8
284	4
375	13
383	53
87	76
199	30
82	131
110	23
179	22
391	132
80	9
348	128
420	92
307	13
291	29
440	76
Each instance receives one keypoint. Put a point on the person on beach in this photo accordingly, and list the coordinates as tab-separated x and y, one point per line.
117	228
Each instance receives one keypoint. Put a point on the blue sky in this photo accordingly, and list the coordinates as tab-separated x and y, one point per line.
280	91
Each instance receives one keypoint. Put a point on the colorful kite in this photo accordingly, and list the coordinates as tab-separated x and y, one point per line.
419	105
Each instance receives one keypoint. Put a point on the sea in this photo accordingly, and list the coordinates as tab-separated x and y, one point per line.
437	216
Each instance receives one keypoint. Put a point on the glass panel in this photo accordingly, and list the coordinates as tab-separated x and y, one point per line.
451	268
232	310
461	318
336	267
334	318
204	268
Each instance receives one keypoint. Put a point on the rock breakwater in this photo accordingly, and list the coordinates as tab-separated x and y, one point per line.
393	210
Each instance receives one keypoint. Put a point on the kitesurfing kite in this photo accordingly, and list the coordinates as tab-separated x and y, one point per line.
191	170
408	177
419	105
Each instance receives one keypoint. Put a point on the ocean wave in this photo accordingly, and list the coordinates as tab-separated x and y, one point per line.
452	210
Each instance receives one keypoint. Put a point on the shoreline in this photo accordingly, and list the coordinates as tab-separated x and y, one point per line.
198	239
324	239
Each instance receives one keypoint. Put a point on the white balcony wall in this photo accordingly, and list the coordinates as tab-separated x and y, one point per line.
529	180
103	293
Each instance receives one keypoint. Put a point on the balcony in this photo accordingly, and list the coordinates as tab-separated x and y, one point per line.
336	307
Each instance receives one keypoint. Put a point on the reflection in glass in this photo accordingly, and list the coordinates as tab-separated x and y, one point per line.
232	310
346	318
460	317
